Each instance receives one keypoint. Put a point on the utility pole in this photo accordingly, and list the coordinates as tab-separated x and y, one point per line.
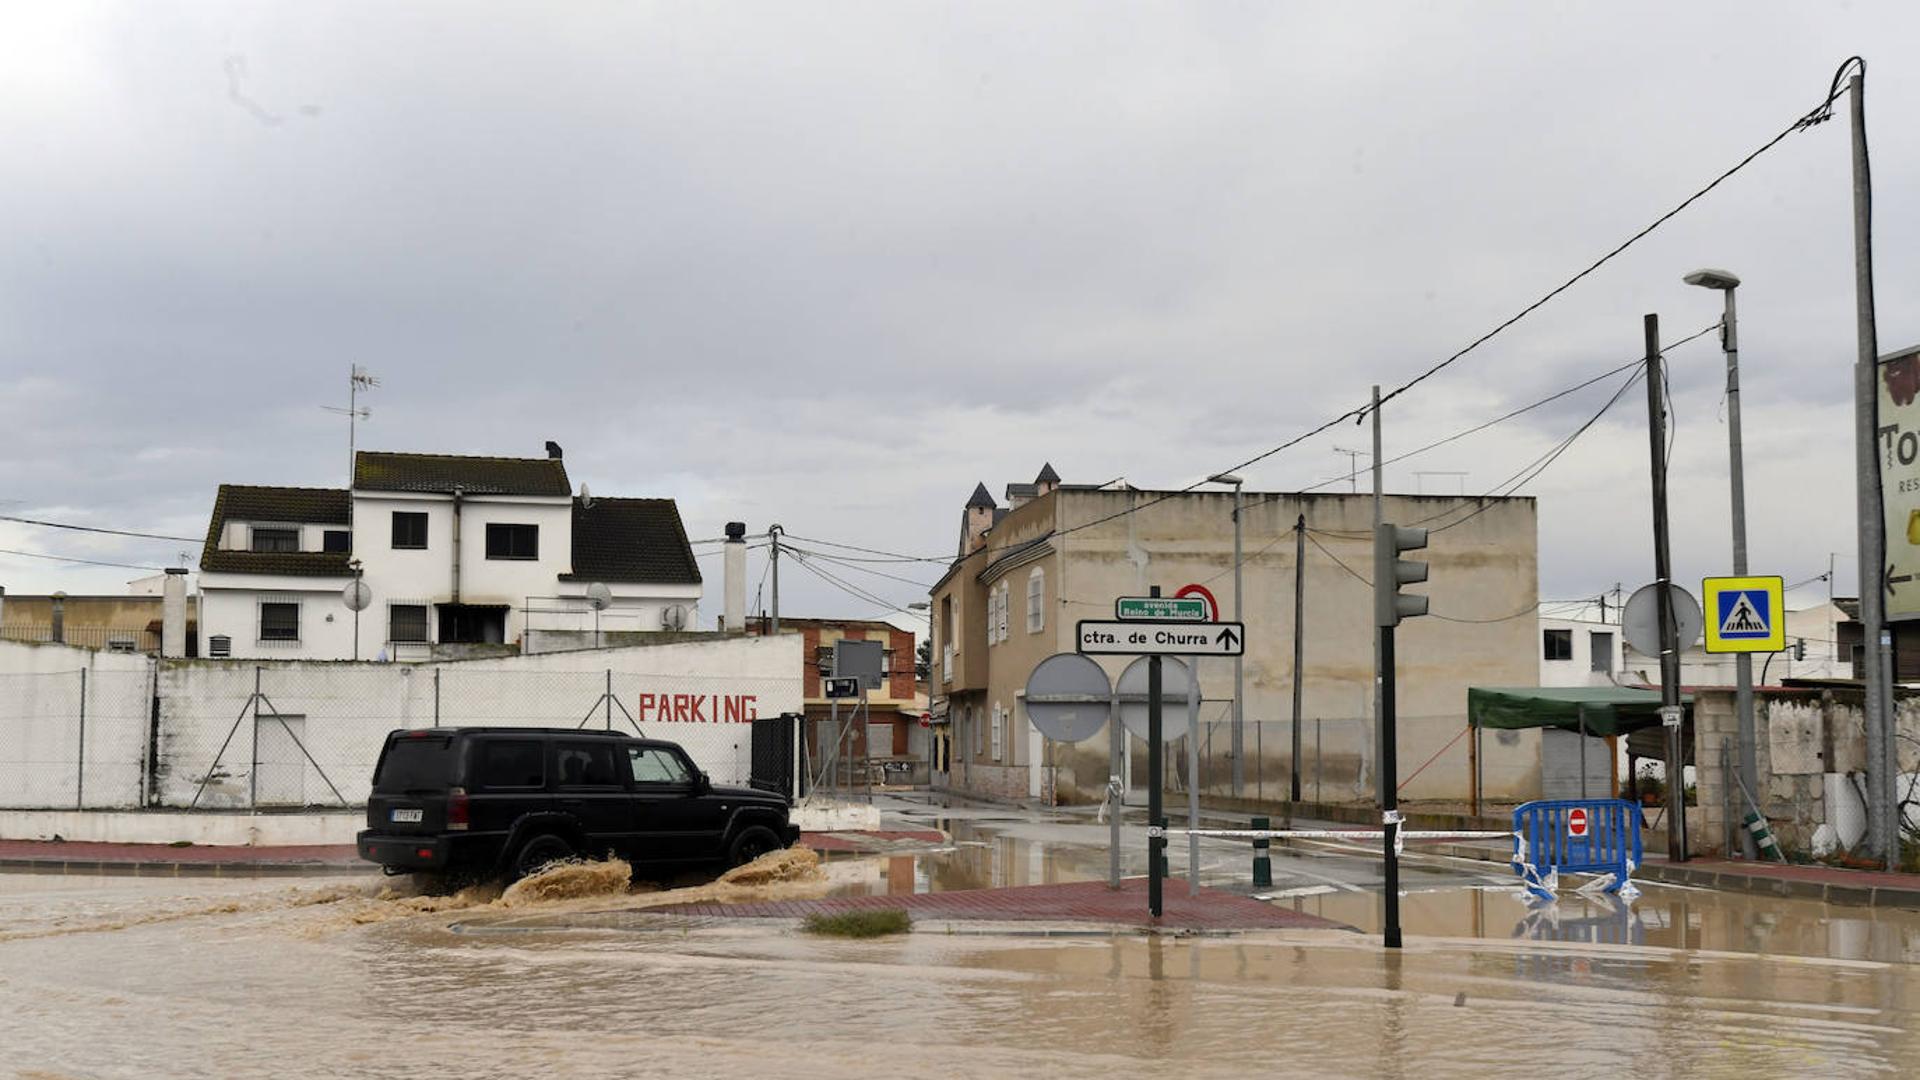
1670	710
1883	826
1728	284
1299	595
773	536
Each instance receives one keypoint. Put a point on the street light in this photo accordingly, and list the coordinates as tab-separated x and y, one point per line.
1727	283
1239	665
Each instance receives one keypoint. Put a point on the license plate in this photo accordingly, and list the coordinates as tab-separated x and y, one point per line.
406	815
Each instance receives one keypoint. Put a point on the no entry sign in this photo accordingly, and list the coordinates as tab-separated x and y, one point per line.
1576	822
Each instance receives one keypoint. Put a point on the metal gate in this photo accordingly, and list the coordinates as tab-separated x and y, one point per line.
776	749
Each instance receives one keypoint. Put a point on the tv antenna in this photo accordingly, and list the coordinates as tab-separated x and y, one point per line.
358	379
1353	467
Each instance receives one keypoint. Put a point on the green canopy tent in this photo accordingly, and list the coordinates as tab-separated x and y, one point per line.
1588	710
1591	710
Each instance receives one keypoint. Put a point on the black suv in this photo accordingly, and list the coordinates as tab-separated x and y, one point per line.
499	801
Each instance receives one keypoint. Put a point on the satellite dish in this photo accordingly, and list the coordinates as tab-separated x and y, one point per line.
599	597
1132	691
586	497
356	595
674	617
1640	622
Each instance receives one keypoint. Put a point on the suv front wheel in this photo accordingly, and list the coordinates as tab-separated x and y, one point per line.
537	852
752	842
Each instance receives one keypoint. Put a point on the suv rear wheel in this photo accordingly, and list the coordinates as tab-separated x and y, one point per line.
753	842
537	852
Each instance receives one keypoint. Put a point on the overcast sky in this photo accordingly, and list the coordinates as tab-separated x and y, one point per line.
831	264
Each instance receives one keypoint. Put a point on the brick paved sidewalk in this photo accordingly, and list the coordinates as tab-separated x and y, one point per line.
1079	901
1832	884
167	860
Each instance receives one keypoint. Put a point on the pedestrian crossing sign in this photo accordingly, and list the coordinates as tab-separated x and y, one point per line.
1745	614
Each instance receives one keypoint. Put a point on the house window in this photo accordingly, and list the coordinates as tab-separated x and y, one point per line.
999	718
275	539
513	541
1036	601
336	540
979	737
1000	622
409	529
1556	644
407	622
279	621
1602	648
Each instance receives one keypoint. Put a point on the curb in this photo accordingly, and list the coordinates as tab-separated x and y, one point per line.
134	868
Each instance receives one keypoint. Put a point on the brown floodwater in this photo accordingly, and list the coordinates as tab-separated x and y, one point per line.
126	977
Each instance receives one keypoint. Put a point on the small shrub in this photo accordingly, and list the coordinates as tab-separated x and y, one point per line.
859	924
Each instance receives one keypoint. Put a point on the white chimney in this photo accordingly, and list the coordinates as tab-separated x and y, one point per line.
173	614
734	620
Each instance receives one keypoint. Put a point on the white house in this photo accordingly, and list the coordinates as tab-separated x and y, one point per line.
457	553
1578	647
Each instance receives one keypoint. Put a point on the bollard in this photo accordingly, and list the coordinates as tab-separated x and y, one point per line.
1262	863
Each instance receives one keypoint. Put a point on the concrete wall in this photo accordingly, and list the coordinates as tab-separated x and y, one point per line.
1483	574
60	746
313	735
1811	753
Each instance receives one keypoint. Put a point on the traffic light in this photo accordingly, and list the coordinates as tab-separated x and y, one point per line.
1390	572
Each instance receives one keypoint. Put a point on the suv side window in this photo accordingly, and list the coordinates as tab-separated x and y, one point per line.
657	765
585	764
512	763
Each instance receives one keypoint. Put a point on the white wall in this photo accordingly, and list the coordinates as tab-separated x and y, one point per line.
326	624
1577	670
701	694
48	728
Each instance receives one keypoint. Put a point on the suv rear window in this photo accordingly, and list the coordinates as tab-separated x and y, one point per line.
512	763
413	762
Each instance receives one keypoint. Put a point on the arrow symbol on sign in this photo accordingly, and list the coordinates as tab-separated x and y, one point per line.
1228	638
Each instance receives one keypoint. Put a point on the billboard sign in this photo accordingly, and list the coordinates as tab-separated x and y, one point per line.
1899	445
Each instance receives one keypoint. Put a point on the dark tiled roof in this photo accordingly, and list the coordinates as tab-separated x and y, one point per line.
1047	474
980	496
1022	491
312	506
631	540
441	473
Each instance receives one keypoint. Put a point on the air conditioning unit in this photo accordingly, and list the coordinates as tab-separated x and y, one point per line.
219	645
674	617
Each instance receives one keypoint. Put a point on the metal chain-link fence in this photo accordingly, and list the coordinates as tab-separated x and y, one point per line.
74	739
243	736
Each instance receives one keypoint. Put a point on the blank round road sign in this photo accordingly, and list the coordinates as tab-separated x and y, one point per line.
1132	688
1068	696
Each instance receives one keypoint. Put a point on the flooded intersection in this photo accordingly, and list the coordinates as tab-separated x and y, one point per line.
108	977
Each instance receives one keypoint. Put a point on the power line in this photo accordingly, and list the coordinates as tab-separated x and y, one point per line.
88	562
851	590
1819	114
98	529
867	550
854	565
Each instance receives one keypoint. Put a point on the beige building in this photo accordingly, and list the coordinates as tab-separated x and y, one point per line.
1027	572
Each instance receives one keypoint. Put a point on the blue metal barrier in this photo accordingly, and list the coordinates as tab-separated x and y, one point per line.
1550	839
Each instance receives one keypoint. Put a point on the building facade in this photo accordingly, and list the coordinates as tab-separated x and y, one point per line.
454	556
1025	574
892	735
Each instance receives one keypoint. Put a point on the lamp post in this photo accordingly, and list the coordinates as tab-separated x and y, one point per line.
1726	283
1239	664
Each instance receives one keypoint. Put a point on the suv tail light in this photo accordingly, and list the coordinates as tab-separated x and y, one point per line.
457	809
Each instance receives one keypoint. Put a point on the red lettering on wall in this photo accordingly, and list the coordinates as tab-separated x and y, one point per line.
645	703
748	701
699	700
